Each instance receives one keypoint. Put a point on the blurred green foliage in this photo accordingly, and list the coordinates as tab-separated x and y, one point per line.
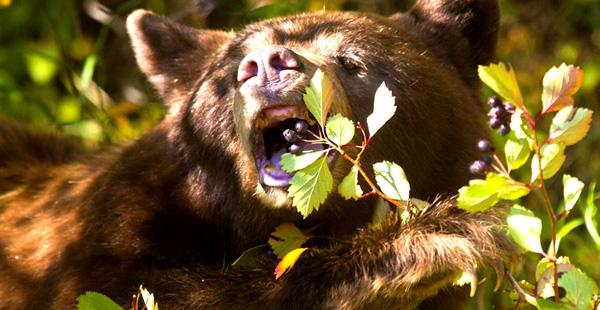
67	64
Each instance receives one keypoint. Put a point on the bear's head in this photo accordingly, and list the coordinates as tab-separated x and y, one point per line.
231	95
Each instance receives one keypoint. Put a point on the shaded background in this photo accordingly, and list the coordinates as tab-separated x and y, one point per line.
67	65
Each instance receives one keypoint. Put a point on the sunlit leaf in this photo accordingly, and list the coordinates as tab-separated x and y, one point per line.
525	228
580	288
559	86
286	238
42	62
148	299
589	215
563	231
319	96
519	127
339	129
391	180
572	188
5	3
288	261
544	264
291	162
384	108
479	195
570	125
310	186
349	188
96	301
553	156
503	81
516	151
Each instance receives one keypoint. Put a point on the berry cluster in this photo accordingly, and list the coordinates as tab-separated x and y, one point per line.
478	166
500	115
295	135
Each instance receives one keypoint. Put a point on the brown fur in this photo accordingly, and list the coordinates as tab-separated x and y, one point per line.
176	207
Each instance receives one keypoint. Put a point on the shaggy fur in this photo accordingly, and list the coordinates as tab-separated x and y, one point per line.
175	208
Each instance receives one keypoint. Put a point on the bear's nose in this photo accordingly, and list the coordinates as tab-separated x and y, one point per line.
267	64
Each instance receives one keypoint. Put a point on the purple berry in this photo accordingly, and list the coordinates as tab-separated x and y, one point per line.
477	167
510	108
495	123
495	101
484	145
295	149
487	159
301	126
290	136
498	112
504	129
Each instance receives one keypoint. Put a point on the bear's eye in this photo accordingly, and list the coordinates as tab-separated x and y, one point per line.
349	64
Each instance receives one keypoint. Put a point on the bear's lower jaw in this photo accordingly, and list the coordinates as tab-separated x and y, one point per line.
274	197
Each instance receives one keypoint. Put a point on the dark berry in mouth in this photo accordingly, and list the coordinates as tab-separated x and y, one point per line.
301	126
295	149
477	167
290	135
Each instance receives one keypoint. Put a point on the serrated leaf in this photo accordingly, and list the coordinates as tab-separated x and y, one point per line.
288	261
572	189
319	96
570	125
310	186
559	86
339	129
553	156
502	80
251	257
519	127
96	301
148	299
291	162
516	151
579	287
525	228
349	188
384	107
391	180
544	264
286	238
479	195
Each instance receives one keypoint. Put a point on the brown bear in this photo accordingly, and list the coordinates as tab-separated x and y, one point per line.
175	208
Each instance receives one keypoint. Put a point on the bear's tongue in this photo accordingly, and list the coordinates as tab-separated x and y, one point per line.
271	173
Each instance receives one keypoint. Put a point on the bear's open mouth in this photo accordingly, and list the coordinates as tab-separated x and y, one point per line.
270	143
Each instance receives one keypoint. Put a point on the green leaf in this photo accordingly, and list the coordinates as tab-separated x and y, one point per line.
589	216
391	180
525	228
339	129
288	261
503	81
559	86
544	304
319	96
563	231
570	125
384	108
479	195
544	264
96	301
251	257
291	162
579	287
286	238
349	188
516	151
553	156
572	188
381	211
310	186
519	128
42	62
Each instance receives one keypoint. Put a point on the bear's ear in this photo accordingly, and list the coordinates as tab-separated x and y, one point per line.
171	55
464	31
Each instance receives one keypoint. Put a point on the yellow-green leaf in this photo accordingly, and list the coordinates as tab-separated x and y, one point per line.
384	107
391	180
580	288
349	188
503	81
288	261
477	196
570	125
310	186
525	228
516	151
291	162
559	86
339	129
572	189
319	96
286	238
96	301
553	156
